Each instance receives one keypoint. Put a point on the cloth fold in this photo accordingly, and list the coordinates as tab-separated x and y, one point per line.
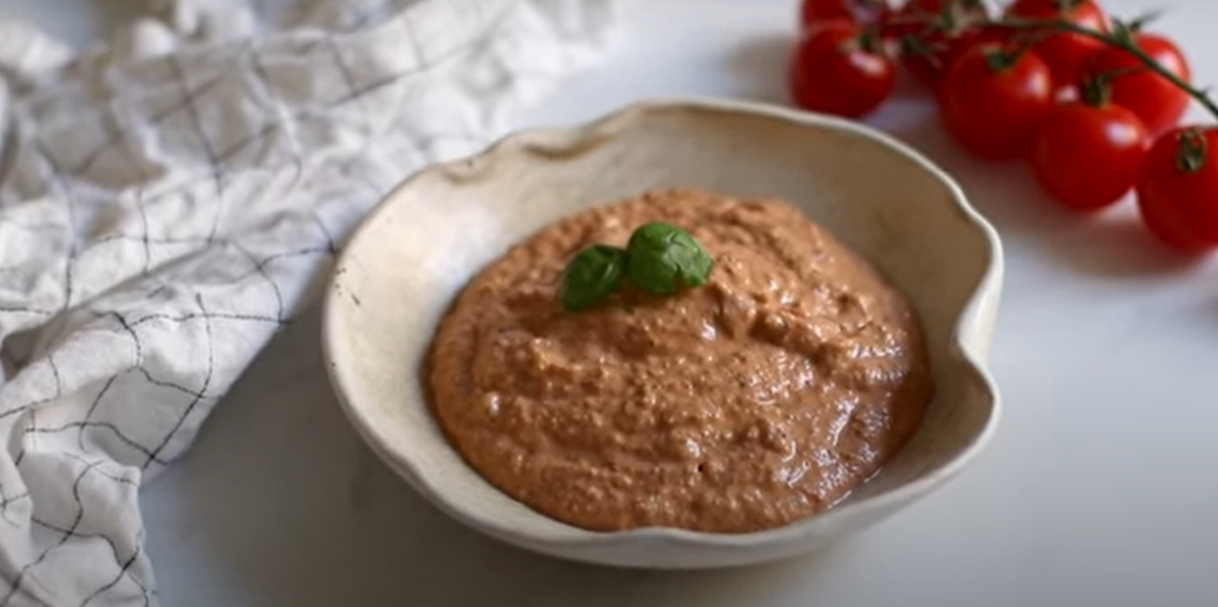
170	201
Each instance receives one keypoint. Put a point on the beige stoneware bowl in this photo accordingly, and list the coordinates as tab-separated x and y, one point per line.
408	260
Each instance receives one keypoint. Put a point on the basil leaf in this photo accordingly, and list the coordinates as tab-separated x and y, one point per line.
591	276
664	258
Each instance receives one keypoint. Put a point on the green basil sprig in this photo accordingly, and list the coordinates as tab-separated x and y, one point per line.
592	276
660	258
664	258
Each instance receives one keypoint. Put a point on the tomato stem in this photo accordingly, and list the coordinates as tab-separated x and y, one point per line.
1122	38
869	40
1000	60
913	46
1193	151
1123	34
1139	23
1096	89
1127	45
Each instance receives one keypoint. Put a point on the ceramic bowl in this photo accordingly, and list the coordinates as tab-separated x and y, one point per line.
406	262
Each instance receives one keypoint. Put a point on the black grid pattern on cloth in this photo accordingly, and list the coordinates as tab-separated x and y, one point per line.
75	311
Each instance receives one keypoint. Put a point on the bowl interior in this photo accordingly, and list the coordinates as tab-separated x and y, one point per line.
404	266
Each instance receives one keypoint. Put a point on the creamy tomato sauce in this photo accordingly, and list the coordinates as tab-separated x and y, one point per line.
758	399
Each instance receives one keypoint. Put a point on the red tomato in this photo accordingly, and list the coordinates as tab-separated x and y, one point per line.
1065	53
1158	102
992	109
813	13
1087	157
836	70
1179	201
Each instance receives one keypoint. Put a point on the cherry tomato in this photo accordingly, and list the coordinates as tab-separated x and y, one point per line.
1178	190
1066	53
838	70
991	102
813	13
1089	156
1158	102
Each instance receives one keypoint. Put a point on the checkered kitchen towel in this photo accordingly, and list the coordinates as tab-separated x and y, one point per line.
169	201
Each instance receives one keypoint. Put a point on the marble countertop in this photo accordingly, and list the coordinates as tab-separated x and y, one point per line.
1098	489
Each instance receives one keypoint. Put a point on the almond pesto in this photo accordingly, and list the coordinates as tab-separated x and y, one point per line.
763	396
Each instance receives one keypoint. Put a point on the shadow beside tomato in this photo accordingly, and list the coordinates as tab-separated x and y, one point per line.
1111	243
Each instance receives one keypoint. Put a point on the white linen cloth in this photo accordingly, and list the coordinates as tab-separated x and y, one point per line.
168	202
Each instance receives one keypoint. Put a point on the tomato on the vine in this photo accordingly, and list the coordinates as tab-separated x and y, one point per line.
1066	53
992	101
934	33
1089	156
944	48
813	13
1178	190
917	16
1158	102
840	69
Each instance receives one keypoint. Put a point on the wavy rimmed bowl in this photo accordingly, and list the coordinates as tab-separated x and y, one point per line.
409	259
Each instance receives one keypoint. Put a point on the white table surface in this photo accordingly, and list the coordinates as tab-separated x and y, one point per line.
1100	488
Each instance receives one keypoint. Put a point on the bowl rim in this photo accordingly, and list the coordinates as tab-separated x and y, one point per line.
965	342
